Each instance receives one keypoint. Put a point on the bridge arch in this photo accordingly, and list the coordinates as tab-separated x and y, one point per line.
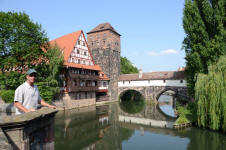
140	90
159	93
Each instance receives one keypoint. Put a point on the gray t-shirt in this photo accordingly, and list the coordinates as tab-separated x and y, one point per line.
28	96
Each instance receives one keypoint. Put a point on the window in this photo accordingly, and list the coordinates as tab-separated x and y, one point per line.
75	83
78	51
104	84
85	53
123	82
164	81
79	61
181	81
83	43
78	42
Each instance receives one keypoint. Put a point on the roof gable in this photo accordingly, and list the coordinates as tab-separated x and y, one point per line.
75	50
66	43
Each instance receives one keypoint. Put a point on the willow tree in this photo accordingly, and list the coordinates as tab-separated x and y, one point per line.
211	96
204	23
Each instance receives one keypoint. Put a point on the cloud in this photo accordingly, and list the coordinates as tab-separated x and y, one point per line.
164	52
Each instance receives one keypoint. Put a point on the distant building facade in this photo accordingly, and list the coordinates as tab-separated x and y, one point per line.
104	43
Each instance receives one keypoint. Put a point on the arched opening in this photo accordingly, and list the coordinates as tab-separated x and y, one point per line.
132	101
167	103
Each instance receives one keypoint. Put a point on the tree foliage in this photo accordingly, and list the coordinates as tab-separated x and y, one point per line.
23	45
49	81
211	96
20	41
127	67
204	23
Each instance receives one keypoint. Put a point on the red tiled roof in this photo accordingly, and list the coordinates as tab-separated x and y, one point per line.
66	43
103	76
168	75
95	67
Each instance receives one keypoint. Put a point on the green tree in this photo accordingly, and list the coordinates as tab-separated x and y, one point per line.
20	41
211	96
127	67
204	23
49	72
23	45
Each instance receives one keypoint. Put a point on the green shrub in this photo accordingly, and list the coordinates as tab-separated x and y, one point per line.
7	95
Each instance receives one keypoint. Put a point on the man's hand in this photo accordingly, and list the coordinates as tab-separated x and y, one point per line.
29	110
46	104
52	106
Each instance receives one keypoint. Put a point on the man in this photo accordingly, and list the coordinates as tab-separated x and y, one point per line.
27	96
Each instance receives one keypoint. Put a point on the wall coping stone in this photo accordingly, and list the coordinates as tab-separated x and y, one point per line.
26	117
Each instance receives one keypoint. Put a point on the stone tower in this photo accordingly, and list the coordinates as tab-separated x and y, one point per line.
104	43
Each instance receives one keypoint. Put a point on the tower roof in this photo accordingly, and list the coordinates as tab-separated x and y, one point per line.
103	27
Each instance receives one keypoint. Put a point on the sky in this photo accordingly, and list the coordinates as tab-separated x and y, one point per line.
151	30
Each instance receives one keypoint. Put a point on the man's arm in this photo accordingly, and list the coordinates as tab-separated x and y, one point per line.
21	107
46	104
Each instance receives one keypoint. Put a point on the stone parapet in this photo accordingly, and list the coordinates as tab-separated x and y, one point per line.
29	130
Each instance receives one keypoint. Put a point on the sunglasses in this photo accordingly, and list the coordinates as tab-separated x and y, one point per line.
33	75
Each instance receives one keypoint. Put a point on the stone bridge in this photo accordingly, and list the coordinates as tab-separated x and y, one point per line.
152	85
154	92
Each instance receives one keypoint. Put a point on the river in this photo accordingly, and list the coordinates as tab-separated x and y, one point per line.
112	127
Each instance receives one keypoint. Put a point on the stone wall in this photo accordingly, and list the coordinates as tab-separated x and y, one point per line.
27	131
70	102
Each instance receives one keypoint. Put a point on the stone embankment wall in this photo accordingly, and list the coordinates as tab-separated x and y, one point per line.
68	101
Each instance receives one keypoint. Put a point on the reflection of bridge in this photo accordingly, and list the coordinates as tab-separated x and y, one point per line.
152	85
145	121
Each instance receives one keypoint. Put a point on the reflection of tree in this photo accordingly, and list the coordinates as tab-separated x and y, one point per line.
132	102
205	140
125	134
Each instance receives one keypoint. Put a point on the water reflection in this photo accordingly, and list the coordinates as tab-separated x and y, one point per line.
132	102
166	103
100	129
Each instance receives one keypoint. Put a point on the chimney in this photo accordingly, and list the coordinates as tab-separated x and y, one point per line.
140	73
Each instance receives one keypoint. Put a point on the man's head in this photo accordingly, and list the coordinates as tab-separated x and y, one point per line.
31	76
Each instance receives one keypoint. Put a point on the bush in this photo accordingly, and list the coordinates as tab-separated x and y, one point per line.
187	114
48	91
7	95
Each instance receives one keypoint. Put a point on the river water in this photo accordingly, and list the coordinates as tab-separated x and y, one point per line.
114	127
